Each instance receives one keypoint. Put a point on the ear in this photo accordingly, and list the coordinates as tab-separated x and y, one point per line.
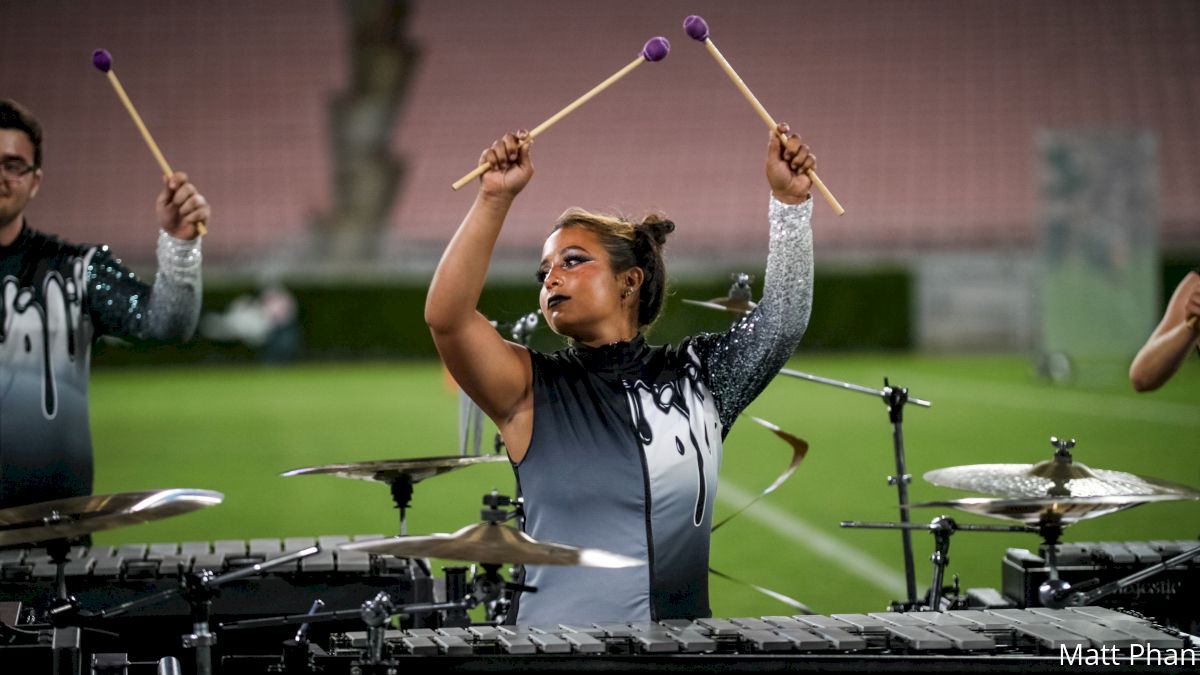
37	183
632	278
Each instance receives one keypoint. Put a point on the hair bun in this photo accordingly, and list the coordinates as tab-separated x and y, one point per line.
657	228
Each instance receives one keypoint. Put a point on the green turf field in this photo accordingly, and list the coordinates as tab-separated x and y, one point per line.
235	429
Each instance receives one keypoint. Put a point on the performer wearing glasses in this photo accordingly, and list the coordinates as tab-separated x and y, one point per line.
58	298
616	443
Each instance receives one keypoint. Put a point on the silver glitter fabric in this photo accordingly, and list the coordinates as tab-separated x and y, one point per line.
124	306
744	359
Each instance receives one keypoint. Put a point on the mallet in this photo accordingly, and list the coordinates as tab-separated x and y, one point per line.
697	29
656	49
103	62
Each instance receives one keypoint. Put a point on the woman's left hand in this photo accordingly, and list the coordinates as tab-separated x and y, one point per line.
787	166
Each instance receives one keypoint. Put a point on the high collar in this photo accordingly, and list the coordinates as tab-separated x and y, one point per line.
619	358
22	237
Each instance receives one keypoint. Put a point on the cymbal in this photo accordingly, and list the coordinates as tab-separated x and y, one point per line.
391	470
735	305
739	300
492	543
1034	511
1053	478
77	516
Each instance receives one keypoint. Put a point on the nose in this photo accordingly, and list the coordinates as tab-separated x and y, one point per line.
552	279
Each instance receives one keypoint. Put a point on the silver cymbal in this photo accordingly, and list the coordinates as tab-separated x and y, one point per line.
1034	511
492	543
77	516
391	470
735	305
739	300
1060	476
1053	478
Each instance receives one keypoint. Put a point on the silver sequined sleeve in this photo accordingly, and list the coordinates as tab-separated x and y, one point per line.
741	361
124	306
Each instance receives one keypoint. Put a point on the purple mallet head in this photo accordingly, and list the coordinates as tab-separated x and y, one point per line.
656	49
696	28
102	60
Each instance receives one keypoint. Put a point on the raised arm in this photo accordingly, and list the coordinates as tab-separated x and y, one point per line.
495	373
744	359
123	306
1173	339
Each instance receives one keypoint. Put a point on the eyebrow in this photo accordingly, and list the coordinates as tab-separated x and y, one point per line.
564	251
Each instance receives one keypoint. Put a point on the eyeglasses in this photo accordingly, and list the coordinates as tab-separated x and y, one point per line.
13	169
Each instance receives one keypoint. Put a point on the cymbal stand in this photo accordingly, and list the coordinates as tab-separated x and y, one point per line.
1052	588
895	398
58	550
402	492
1051	531
198	589
942	528
487	588
65	639
491	589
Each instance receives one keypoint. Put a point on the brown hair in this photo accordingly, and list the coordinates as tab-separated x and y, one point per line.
13	115
630	245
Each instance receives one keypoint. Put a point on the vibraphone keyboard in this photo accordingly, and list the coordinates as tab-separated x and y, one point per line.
101	577
1012	640
150	561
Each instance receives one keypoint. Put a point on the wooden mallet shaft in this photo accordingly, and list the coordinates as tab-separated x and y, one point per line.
103	61
698	30
656	49
478	171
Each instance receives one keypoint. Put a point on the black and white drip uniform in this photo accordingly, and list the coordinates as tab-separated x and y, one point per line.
58	298
626	446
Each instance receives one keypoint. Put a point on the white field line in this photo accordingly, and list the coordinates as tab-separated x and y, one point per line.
1071	402
836	551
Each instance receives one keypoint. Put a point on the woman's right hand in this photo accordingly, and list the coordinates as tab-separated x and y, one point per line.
511	166
788	163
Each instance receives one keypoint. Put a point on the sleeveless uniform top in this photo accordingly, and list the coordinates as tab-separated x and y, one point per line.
627	443
57	299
